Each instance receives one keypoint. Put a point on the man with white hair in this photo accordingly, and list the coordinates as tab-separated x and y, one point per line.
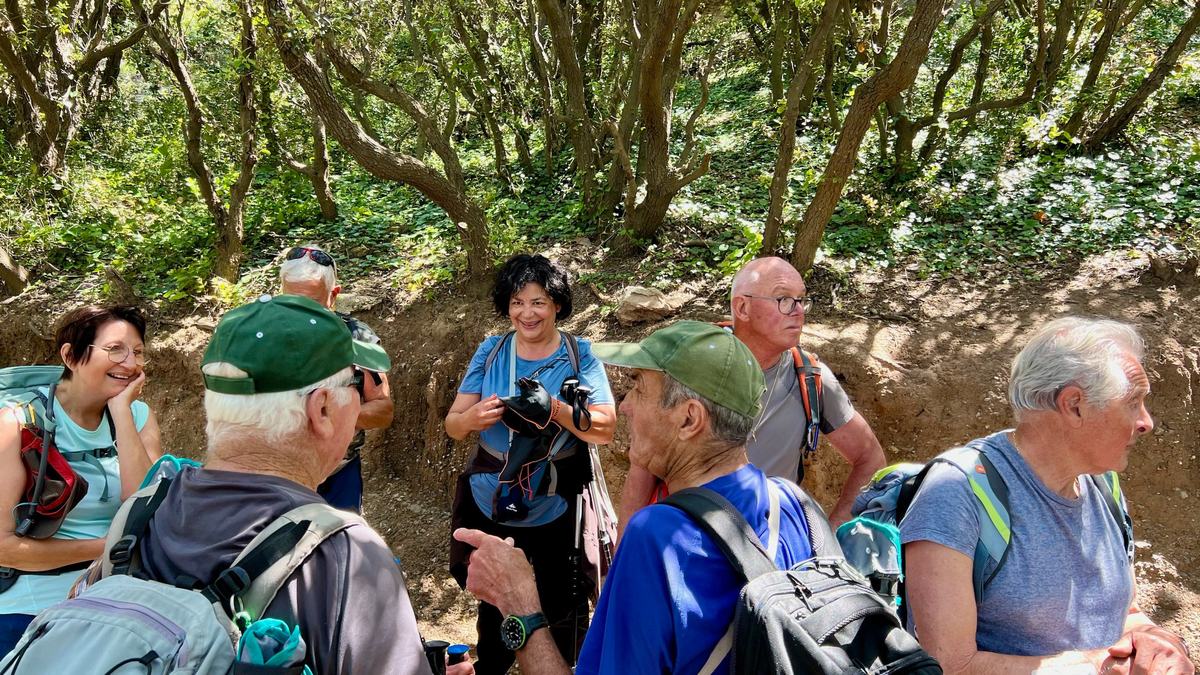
281	377
1062	596
768	303
311	272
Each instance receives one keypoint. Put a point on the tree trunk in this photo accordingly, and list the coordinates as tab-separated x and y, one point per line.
320	171
376	159
897	76
579	124
797	104
1110	128
779	38
909	130
665	25
13	277
1084	99
1063	19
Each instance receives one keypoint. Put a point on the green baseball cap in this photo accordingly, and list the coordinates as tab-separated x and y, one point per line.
705	358
285	342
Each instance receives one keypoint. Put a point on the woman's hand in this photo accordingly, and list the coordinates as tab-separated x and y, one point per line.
129	394
484	414
469	414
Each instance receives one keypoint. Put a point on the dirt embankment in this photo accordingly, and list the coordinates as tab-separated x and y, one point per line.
925	363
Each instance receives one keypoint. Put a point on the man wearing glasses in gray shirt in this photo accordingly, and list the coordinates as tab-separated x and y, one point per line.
768	304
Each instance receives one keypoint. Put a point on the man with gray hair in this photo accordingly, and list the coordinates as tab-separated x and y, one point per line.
1062	596
769	303
311	272
670	594
282	377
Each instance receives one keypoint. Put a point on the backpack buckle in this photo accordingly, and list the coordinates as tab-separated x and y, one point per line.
121	553
230	584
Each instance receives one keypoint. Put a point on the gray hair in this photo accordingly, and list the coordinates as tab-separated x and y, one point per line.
304	269
727	425
1087	353
271	417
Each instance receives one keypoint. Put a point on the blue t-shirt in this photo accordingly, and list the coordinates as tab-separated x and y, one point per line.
90	517
500	380
671	593
1066	584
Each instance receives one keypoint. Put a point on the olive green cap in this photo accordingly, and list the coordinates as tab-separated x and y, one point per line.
284	343
704	358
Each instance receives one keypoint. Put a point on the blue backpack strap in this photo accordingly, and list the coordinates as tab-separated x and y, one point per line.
1109	485
491	357
995	521
808	377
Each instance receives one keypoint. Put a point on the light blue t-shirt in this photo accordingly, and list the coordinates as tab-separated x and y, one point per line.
88	520
1067	583
671	592
499	380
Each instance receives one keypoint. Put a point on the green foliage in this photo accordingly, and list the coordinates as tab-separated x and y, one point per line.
1007	194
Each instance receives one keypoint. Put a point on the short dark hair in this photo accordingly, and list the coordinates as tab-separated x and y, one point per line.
523	269
78	328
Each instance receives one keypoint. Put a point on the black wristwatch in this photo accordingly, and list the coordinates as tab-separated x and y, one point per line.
515	630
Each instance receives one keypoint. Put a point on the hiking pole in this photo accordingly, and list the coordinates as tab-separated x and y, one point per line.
576	565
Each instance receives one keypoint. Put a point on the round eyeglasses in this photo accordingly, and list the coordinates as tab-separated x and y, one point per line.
118	353
787	304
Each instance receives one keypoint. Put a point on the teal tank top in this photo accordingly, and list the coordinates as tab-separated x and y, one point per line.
88	520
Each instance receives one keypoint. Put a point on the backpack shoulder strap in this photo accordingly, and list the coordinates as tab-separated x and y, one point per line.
277	551
1109	485
128	526
821	536
808	377
491	357
572	349
722	521
995	521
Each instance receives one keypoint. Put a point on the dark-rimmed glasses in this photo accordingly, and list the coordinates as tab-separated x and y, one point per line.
118	353
315	254
787	304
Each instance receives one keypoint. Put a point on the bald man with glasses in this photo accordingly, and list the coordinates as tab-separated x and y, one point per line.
769	302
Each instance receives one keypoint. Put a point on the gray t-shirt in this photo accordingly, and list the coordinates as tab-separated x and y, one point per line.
778	434
1067	583
348	598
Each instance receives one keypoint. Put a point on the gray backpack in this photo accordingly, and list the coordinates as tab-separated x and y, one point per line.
125	623
820	616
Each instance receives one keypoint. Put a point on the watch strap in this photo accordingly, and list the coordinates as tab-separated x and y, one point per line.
533	622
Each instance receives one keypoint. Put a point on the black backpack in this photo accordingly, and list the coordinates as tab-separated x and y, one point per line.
821	616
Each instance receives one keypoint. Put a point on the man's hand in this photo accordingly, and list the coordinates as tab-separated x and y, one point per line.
1152	649
499	574
464	668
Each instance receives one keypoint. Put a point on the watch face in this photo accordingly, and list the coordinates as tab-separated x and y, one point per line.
512	633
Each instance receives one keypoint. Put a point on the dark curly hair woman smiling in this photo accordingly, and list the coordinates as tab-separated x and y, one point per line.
538	508
524	269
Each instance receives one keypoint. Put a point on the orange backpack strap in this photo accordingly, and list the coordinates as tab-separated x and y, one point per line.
808	375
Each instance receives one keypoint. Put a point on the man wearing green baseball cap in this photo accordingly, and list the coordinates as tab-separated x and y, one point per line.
670	594
282	376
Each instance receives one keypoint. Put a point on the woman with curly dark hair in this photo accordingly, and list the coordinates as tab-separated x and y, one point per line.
531	461
105	433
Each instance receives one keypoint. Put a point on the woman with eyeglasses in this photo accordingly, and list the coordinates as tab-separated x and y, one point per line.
108	437
506	490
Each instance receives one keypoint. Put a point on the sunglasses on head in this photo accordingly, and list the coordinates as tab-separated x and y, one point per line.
317	255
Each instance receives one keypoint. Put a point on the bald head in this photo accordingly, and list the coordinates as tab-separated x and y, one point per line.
757	319
759	276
